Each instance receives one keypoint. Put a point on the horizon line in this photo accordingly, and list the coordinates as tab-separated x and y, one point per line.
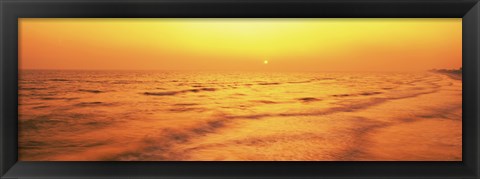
206	70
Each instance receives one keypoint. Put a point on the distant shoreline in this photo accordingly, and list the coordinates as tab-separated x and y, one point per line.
453	75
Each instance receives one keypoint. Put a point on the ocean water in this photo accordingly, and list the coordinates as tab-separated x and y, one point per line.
190	116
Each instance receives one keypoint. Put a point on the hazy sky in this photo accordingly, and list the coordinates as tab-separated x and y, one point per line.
240	44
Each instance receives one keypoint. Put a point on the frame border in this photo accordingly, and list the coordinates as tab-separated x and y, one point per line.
11	10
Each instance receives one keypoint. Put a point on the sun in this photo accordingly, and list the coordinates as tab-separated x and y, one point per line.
265	62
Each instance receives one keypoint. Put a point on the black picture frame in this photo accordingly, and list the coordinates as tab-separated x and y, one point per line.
11	10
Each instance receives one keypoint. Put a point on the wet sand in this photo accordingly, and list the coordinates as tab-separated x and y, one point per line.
407	129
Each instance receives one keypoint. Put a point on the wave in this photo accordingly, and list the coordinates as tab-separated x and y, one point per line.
164	140
171	93
90	91
200	89
58	98
299	82
264	101
268	83
185	104
187	109
32	88
370	93
58	79
166	93
40	122
358	94
40	107
122	82
95	103
308	99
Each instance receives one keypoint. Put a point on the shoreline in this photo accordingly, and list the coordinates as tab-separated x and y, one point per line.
455	74
452	75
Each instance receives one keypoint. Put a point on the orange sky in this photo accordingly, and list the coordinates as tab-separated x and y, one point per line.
240	44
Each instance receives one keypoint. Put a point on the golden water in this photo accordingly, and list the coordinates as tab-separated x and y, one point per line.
156	116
